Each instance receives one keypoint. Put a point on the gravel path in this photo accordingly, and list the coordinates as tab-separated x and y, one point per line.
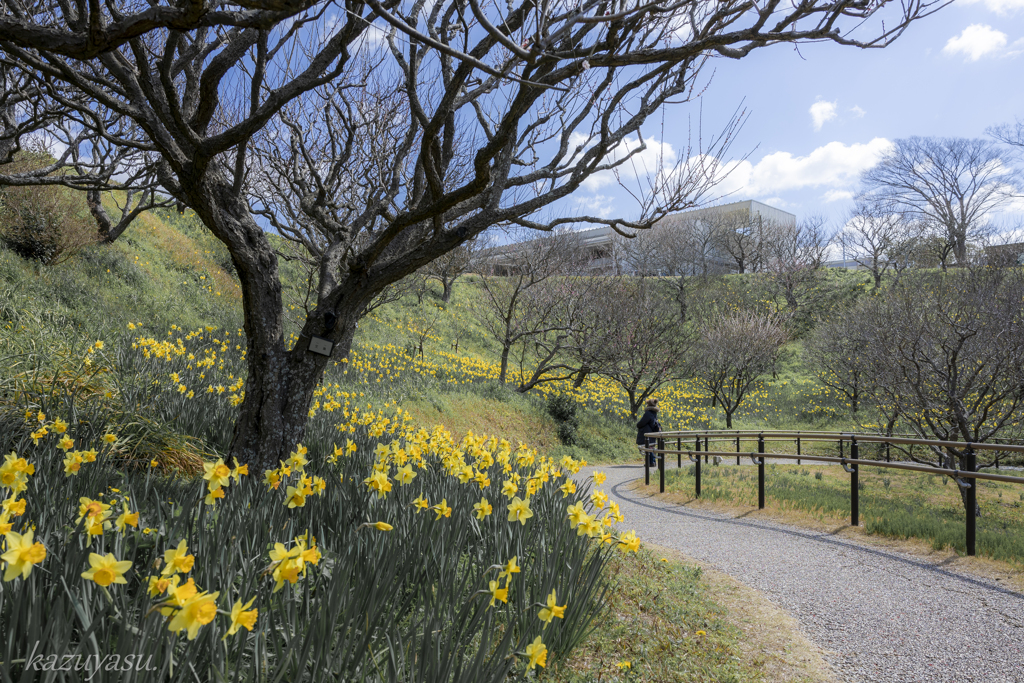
880	615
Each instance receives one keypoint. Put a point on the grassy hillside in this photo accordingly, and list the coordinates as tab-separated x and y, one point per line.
168	276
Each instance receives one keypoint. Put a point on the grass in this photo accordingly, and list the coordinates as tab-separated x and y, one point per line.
663	620
893	504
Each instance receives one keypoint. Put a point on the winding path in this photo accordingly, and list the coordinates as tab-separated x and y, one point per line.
880	615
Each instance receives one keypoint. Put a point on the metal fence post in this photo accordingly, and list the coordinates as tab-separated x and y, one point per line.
760	472
679	452
798	448
647	462
705	449
972	501
697	475
737	450
854	484
661	464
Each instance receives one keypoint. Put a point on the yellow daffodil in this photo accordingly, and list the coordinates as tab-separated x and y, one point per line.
442	509
126	519
106	569
568	487
482	509
109	438
178	560
537	652
196	612
405	475
420	503
22	554
497	593
217	474
519	511
241	616
552	610
599	478
628	542
158	585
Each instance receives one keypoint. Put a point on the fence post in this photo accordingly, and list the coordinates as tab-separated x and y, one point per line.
972	500
737	450
697	475
760	472
661	464
679	452
647	462
854	484
798	448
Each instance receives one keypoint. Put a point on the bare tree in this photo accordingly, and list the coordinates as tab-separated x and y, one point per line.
836	353
792	256
946	352
488	114
872	237
632	335
735	351
525	306
449	267
952	184
688	253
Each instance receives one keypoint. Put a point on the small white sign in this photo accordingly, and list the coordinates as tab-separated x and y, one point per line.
321	345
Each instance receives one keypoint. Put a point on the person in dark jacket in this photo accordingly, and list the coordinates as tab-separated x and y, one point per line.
648	424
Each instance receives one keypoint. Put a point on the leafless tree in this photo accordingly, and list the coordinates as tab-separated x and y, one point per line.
735	351
1009	134
946	352
740	237
688	252
632	335
792	256
527	308
488	114
872	237
951	184
449	267
835	351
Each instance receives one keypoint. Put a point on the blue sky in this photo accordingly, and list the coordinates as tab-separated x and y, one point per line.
821	116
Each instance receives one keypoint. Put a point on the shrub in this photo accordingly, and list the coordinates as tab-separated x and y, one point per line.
48	224
563	408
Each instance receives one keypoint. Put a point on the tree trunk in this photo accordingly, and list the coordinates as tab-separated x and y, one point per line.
504	363
446	293
728	419
581	376
280	383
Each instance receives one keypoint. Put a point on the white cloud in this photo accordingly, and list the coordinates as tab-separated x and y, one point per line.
837	196
999	6
976	41
857	111
821	112
835	166
597	204
651	161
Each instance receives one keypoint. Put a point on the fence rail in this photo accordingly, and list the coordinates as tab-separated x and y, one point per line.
850	464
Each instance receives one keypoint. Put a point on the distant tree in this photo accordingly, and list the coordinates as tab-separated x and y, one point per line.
945	351
739	237
734	352
872	237
522	308
835	351
792	256
950	184
449	267
632	335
